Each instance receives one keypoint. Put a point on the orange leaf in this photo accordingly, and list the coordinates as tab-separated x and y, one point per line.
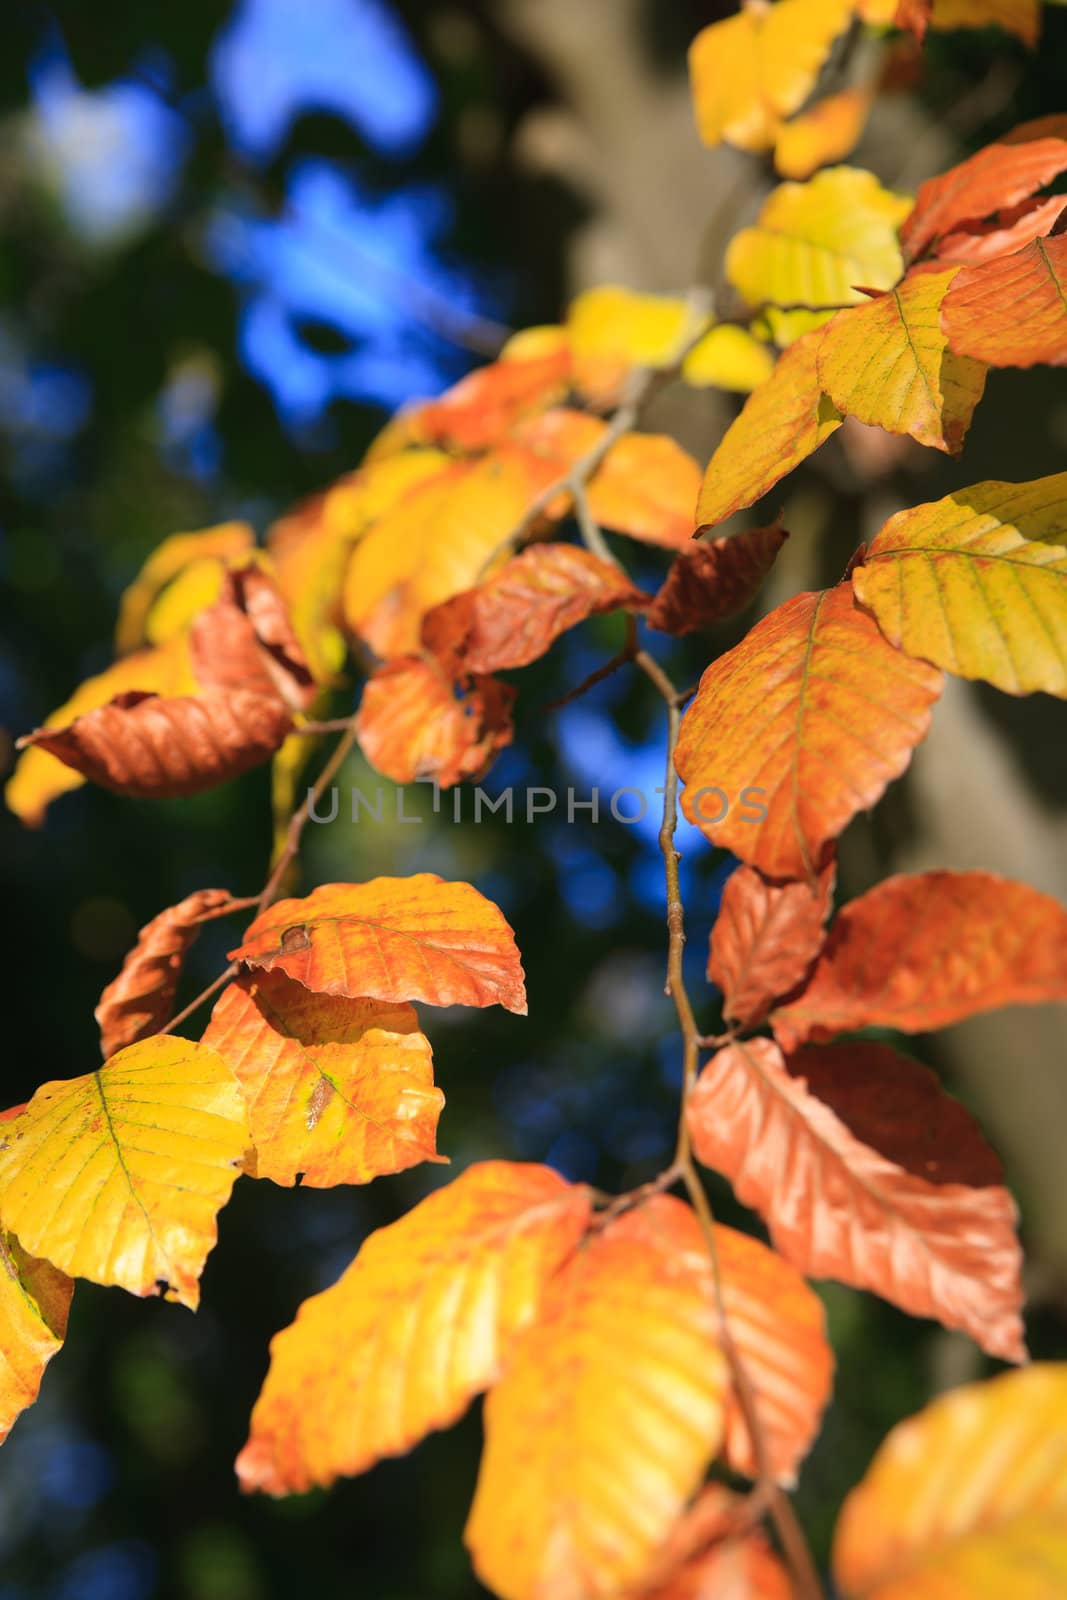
714	1553
888	364
34	1302
338	1090
484	407
1007	232
917	953
141	998
119	1176
515	616
647	488
751	70
783	421
1012	312
828	131
246	641
1009	170
864	1170
965	1501
152	746
606	1417
807	719
714	579
420	1323
414	722
765	940
416	938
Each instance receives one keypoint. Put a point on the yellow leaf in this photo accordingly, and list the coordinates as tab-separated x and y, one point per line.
817	244
606	1417
340	1090
751	70
420	1323
34	1301
431	545
782	422
888	364
118	1176
228	541
613	330
977	582
39	778
1021	17
967	1500
728	358
828	131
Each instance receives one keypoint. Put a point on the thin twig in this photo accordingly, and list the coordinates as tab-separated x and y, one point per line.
205	994
794	1546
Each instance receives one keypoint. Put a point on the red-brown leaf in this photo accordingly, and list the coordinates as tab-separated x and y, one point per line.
866	1171
1005	172
246	641
1012	312
414	722
517	614
714	579
153	746
716	1553
485	406
140	999
765	940
920	952
1008	231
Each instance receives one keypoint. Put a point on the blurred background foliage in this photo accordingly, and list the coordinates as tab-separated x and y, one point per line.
234	238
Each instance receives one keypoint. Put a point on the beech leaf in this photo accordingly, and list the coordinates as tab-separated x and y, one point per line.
1012	312
34	1302
416	938
714	579
765	940
414	722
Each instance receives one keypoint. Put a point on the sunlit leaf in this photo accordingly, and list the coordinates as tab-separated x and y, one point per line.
715	1553
918	952
34	1302
219	545
422	1321
796	729
416	938
482	408
119	1176
714	579
613	330
828	131
1004	233
864	1170
977	582
141	998
967	1500
888	364
338	1090
415	722
765	940
782	422
818	244
606	1416
728	357
1012	312
647	488
749	71
245	642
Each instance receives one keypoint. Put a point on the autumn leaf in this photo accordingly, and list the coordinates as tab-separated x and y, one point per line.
765	940
34	1302
433	544
818	244
967	1500
606	1416
805	721
1020	17
152	746
612	331
517	614
141	998
715	1553
977	582
750	70
728	357
414	722
864	1170
1012	312
416	938
1003	173
118	1176
246	642
212	547
919	952
484	407
888	364
714	579
39	778
647	488
337	1090
1007	231
828	131
421	1322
